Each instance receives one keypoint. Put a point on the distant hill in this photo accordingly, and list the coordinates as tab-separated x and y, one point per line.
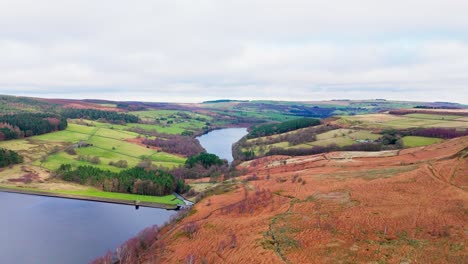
223	101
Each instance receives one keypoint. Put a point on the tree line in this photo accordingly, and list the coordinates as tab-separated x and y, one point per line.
294	138
135	180
324	149
279	128
29	124
9	157
431	112
438	132
93	114
205	159
201	166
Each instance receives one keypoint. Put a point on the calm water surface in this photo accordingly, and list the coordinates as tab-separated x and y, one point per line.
220	141
37	229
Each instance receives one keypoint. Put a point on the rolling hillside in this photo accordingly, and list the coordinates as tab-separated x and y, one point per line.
385	207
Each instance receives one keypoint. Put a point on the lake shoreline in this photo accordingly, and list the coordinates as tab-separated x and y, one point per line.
220	141
89	198
204	132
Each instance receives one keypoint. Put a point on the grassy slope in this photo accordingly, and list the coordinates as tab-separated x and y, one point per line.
404	121
109	144
178	125
344	137
414	141
90	192
341	137
167	199
62	136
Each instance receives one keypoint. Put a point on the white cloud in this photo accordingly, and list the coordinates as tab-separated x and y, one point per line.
192	50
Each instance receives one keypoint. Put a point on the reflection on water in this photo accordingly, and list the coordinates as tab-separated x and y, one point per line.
220	141
37	229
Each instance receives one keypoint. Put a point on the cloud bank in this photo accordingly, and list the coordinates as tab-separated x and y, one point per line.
199	50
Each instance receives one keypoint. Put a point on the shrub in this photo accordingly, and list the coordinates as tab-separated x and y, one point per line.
9	157
119	164
190	229
95	160
71	151
205	159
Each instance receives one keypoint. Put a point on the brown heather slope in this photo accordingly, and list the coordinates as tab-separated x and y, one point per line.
392	207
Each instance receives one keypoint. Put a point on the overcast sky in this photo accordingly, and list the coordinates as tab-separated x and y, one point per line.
199	50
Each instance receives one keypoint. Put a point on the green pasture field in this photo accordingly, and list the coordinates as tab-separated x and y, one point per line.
90	192
167	157
414	141
167	199
178	124
333	134
120	146
78	127
341	137
63	136
108	144
54	161
413	122
81	128
115	134
172	129
364	134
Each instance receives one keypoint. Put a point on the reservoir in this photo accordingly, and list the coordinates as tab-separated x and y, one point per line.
220	141
38	229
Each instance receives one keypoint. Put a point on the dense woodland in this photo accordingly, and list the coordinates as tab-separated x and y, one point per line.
29	124
201	166
136	180
92	114
278	128
9	157
205	159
